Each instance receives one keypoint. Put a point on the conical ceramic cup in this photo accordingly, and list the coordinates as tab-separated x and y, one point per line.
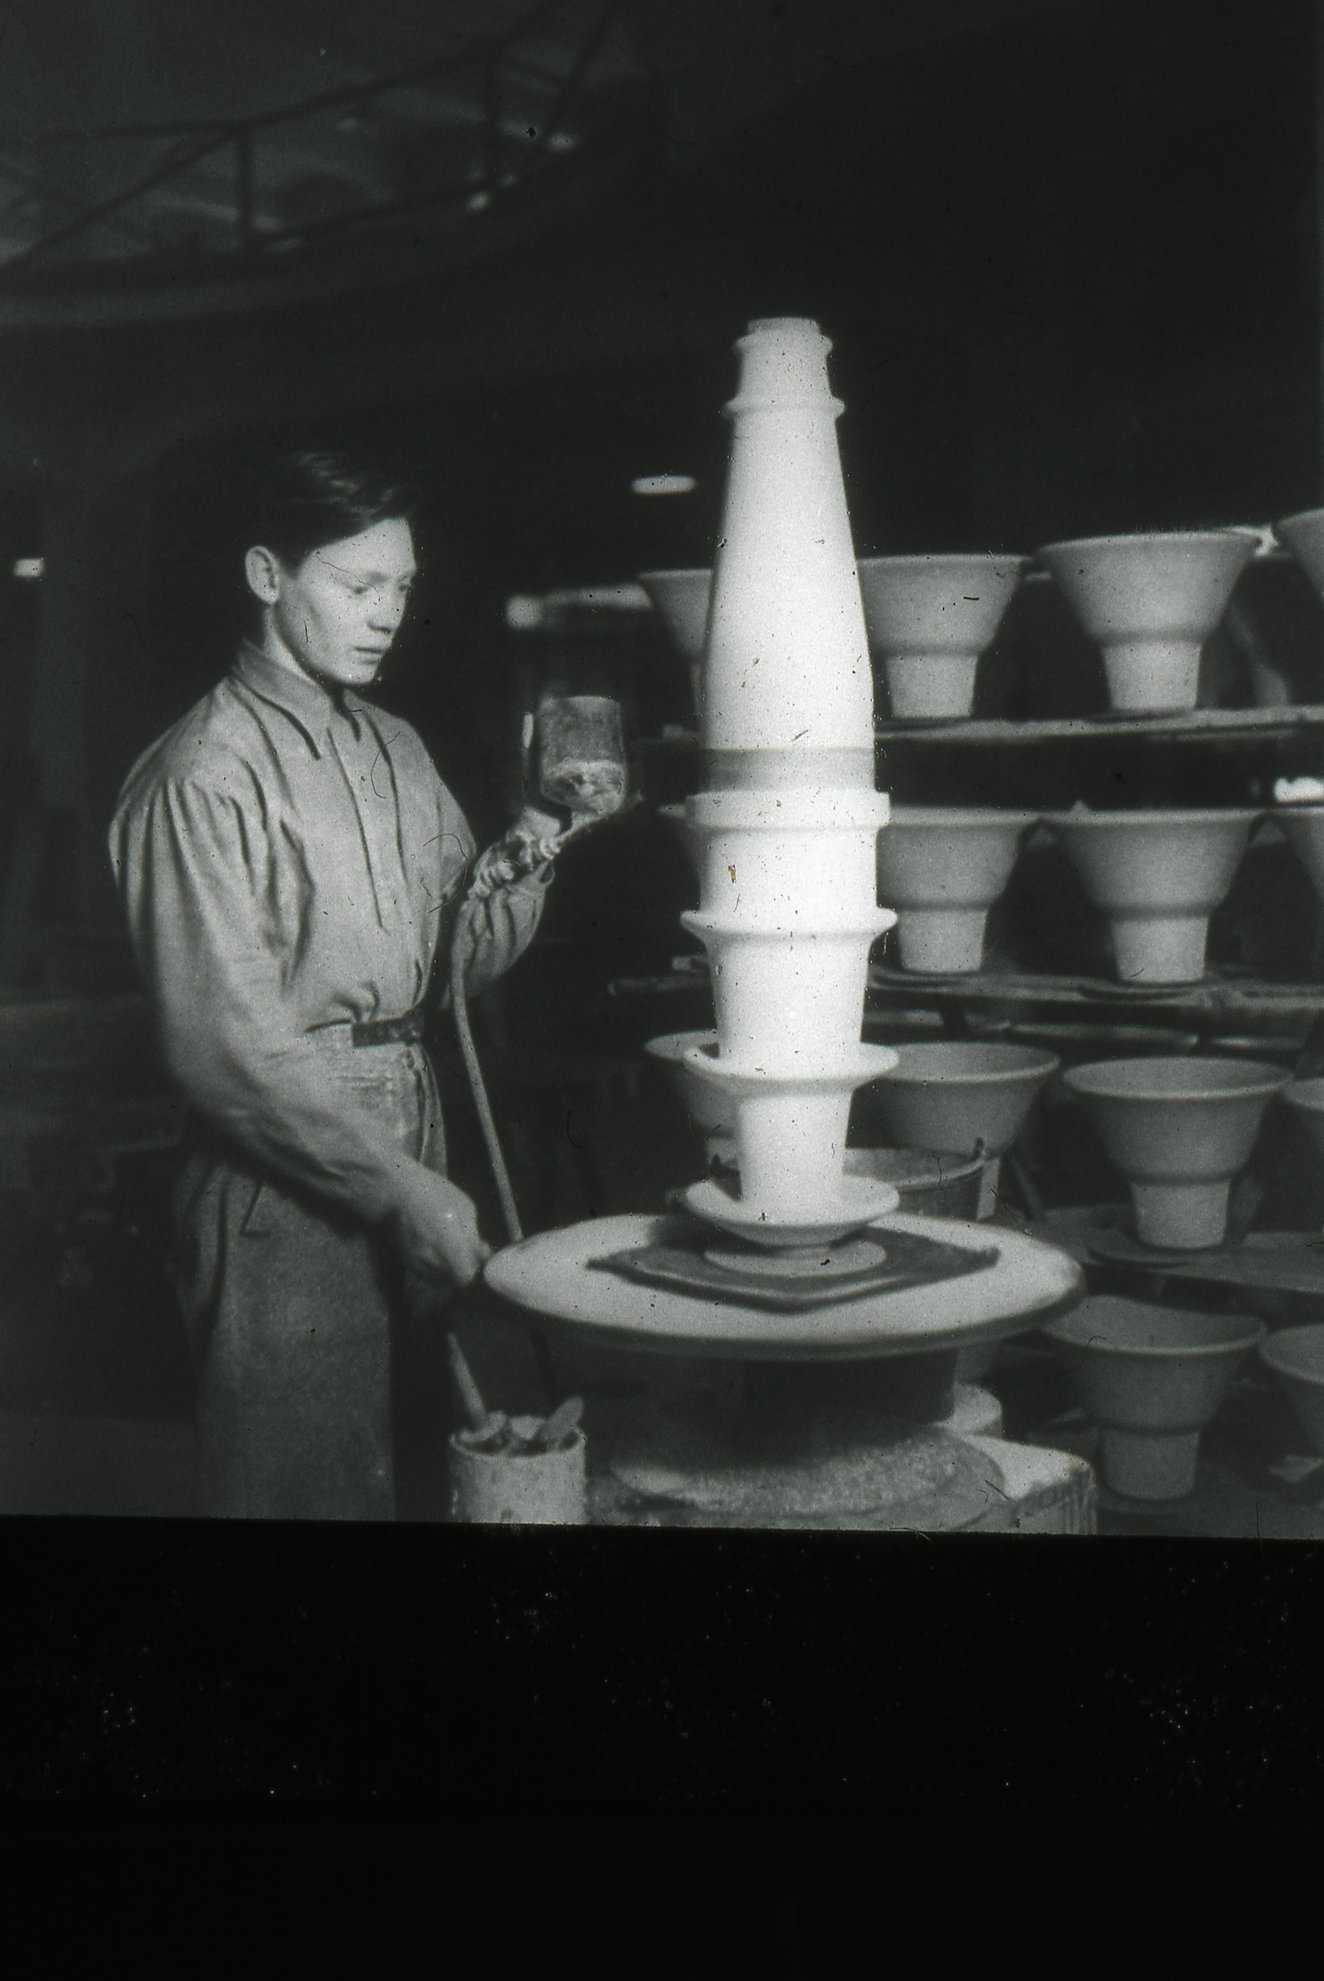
1303	828
1179	1130
929	619
1306	1100
1151	602
682	598
957	1096
790	1131
710	1109
1151	1377
1157	875
1294	1358
1303	536
942	869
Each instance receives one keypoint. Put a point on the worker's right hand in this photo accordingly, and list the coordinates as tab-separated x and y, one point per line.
437	1228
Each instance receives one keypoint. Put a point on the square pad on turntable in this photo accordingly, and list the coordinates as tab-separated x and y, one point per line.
901	1259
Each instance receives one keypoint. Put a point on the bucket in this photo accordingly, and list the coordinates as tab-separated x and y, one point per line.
928	1184
517	1489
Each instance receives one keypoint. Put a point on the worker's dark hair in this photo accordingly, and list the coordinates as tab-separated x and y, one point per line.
312	496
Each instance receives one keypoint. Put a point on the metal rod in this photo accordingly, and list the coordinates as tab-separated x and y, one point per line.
472	1406
570	88
519	68
216	139
542	1354
383	210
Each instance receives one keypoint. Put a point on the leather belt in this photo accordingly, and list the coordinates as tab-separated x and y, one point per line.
390	1031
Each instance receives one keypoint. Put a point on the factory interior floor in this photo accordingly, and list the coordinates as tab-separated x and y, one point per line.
55	1461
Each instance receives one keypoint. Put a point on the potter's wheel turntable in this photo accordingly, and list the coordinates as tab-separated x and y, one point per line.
1014	1282
840	1411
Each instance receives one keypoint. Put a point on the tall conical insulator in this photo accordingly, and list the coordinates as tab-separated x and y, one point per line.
785	833
786	674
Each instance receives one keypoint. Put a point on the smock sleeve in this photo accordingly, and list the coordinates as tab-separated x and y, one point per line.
493	933
192	869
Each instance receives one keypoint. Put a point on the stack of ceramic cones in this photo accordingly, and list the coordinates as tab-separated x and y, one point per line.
784	834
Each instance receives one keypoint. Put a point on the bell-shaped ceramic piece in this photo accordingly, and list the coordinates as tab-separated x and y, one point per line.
788	919
681	597
1294	1358
942	870
1151	1377
1151	602
929	619
1179	1130
958	1096
1303	828
1157	876
710	1110
1303	536
791	1126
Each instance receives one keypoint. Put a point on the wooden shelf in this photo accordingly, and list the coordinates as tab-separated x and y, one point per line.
1264	1261
1222	1002
1224	725
1216	996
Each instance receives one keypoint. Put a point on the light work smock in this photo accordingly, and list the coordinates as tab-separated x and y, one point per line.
290	862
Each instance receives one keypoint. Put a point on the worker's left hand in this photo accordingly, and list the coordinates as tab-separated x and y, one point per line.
437	1228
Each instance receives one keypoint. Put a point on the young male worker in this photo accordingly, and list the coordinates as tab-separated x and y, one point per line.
291	864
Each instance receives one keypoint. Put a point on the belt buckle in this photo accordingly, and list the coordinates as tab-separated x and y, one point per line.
388	1031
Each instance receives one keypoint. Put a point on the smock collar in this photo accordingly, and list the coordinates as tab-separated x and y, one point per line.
310	706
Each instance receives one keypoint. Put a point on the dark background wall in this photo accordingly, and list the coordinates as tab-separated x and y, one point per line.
1068	256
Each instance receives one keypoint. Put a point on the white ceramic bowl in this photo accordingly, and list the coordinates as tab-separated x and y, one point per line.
1152	1377
1158	876
941	869
929	619
1151	601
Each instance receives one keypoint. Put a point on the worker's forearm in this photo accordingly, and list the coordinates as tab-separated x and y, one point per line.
494	932
284	1108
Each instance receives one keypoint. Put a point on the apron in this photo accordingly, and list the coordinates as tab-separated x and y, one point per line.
290	1309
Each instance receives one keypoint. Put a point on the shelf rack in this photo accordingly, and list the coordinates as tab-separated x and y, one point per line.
1198	725
1224	725
1231	1009
1260	1262
1220	1000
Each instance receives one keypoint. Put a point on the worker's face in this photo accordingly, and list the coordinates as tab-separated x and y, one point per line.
335	615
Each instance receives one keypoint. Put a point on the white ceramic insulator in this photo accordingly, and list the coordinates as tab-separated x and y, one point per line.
787	662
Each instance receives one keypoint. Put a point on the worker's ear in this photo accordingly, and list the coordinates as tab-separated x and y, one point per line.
262	569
